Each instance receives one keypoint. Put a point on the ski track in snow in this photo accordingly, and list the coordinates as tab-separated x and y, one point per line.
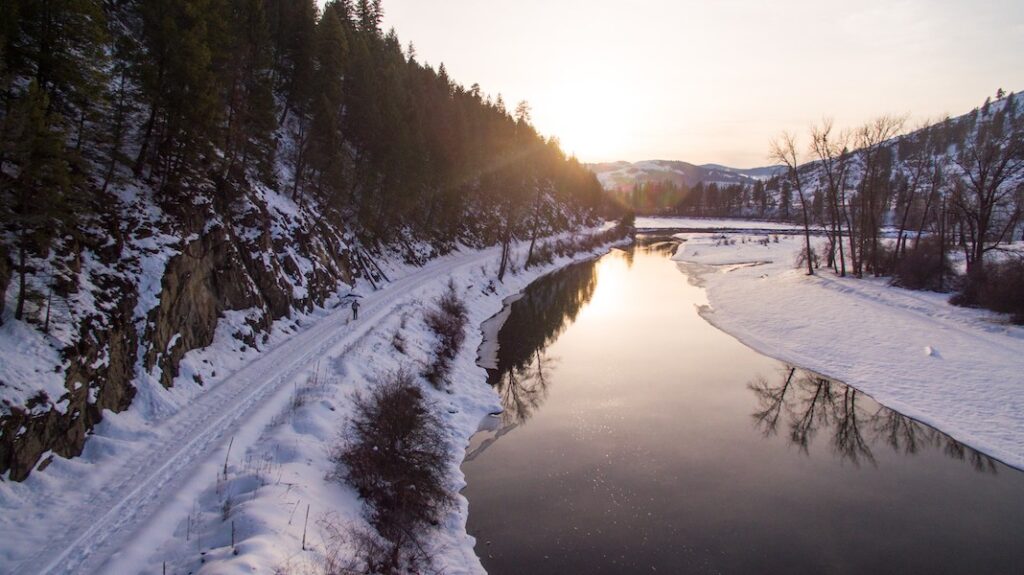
103	523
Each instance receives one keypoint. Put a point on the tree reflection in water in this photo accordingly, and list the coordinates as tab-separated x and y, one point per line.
808	403
547	308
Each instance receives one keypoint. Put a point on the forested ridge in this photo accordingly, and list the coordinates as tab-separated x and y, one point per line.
165	163
182	94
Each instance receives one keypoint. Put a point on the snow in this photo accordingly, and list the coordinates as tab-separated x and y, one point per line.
487	354
21	376
168	480
956	369
651	224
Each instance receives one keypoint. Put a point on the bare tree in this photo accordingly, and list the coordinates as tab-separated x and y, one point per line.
985	196
874	192
921	164
831	150
783	151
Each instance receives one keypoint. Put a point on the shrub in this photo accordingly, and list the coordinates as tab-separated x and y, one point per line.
923	267
398	342
999	288
801	259
543	254
448	321
396	459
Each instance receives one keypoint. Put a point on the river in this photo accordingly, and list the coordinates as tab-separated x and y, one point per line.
637	438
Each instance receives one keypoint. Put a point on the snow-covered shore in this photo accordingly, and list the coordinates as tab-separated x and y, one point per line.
224	487
959	370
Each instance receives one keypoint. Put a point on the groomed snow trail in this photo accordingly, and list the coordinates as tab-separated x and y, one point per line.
102	523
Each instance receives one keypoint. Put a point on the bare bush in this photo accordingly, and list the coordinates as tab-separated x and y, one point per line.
542	254
396	460
922	268
802	259
398	342
545	253
448	321
999	288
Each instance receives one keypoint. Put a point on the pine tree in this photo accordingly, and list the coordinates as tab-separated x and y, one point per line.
343	10
325	145
37	204
59	43
293	30
178	80
369	15
250	118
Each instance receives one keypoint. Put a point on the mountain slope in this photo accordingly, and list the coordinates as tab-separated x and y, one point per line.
622	176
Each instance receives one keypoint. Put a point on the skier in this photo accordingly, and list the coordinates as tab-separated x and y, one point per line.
355	309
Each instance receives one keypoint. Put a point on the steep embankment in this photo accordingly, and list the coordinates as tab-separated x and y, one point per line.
136	304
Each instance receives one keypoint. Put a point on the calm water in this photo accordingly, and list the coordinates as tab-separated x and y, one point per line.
637	439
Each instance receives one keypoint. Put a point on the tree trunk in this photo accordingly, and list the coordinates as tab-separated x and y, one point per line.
506	242
536	228
140	160
19	311
942	245
807	233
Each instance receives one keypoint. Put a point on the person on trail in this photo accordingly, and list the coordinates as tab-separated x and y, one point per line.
355	309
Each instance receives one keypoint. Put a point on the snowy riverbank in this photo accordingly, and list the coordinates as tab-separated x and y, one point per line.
959	370
224	486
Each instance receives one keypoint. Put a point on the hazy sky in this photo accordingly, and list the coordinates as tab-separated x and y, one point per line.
707	81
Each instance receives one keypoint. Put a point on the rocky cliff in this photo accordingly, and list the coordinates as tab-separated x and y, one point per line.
137	294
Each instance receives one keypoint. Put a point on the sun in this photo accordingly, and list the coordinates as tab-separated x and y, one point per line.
588	118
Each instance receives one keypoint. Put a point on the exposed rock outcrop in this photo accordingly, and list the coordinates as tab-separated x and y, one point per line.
99	376
205	280
263	262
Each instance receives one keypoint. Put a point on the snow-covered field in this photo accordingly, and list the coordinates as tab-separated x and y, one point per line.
247	462
959	370
651	223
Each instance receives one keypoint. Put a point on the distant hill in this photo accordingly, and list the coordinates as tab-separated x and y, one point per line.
623	176
685	189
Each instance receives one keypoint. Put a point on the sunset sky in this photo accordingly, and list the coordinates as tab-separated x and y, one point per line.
714	81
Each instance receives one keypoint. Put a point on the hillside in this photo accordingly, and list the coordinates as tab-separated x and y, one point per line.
180	175
623	176
895	153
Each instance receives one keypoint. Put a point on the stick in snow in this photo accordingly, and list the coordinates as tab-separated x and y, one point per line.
304	525
226	455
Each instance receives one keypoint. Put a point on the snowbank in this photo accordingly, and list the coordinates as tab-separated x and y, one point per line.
959	370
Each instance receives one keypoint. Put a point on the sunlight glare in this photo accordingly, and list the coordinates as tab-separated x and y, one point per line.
592	118
611	287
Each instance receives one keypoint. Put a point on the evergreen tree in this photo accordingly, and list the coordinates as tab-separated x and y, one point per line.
250	119
38	203
293	30
325	145
179	82
369	15
59	43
